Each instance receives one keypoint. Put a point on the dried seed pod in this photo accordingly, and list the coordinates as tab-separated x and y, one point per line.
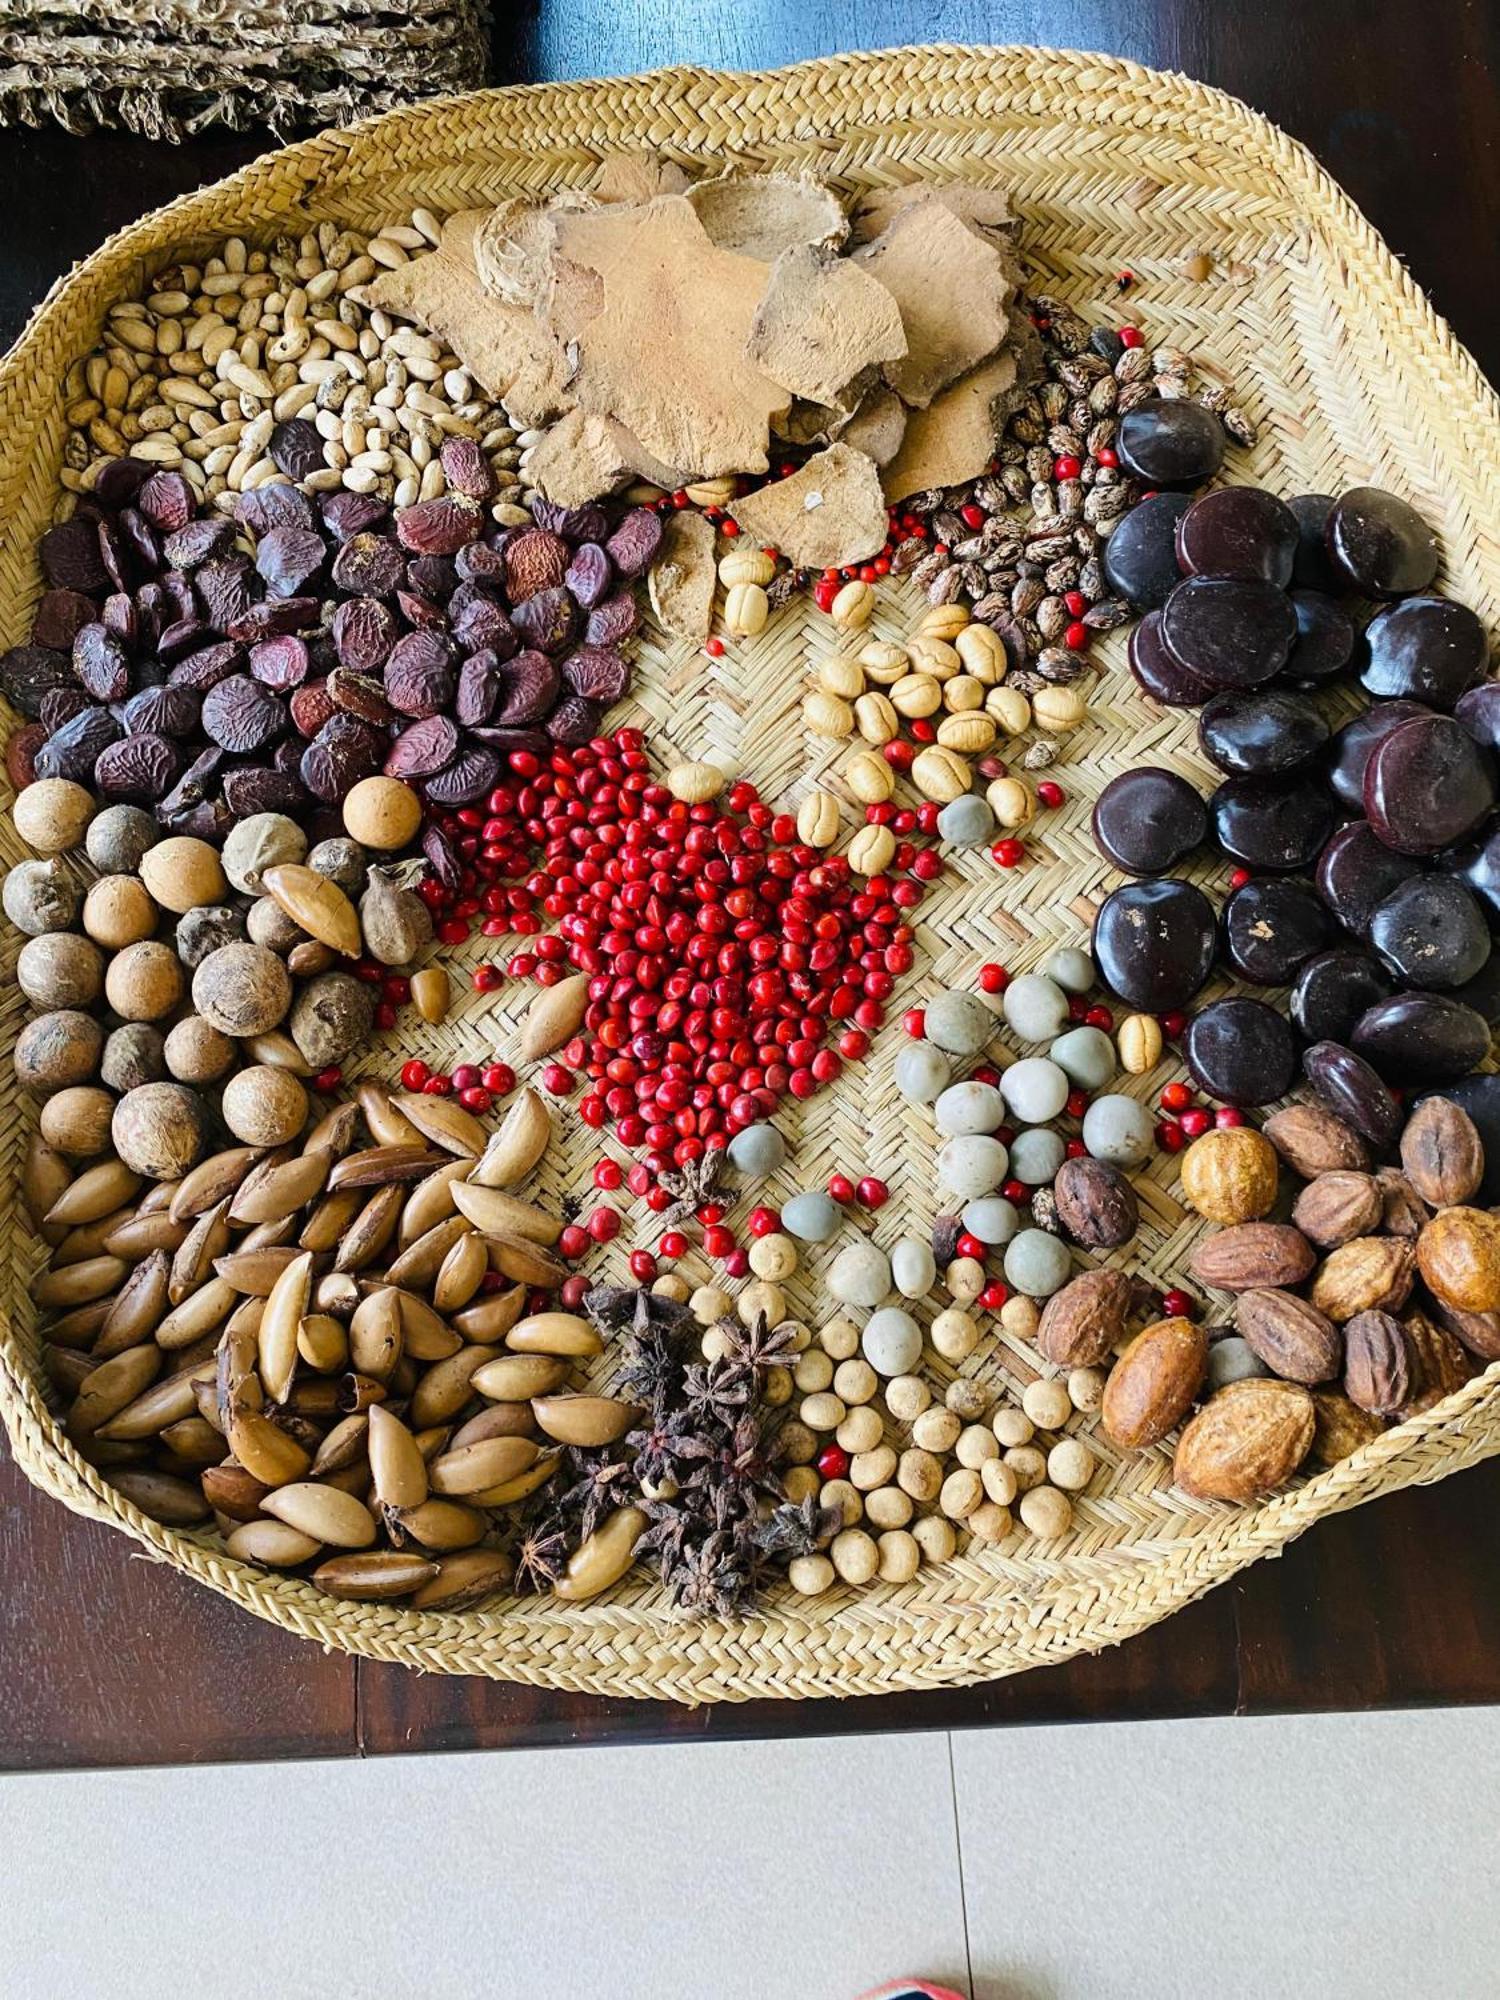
603	1557
464	1580
200	1313
272	1543
316	906
329	1222
555	1333
420	1262
375	1337
586	1421
492	1317
323	1343
79	1284
232	1491
97	1192
475	1468
280	1324
375	1578
521	1139
445	1124
323	1512
377	1165
397	1467
431	1200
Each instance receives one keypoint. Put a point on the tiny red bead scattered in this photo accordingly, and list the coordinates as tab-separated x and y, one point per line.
1176	1097
993	978
841	1188
1008	853
872	1193
1178	1304
1227	1117
1195	1122
1050	794
1169	1136
832	1461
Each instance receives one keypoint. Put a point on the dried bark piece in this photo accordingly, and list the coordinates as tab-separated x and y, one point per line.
828	514
637	177
823	325
985	210
585	455
760	215
878	426
681	580
954	438
953	292
664	350
513	248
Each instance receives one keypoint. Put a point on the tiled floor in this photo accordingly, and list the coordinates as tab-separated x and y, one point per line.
1342	1856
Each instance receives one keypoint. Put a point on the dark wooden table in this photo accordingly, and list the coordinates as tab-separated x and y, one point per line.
109	1660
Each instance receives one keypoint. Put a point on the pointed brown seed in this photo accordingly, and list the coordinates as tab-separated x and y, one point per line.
445	1388
230	1489
584	1420
205	1241
379	1164
195	1442
443	1524
388	1127
325	1228
603	1557
67	1368
213	1180
317	905
475	1467
280	1324
207	1308
431	992
176	1503
431	1200
461	1273
525	1263
88	1239
370	1234
497	1420
445	1123
272	1543
44	1176
105	1390
464	1580
518	1143
137	1309
265	1450
81	1327
142	1234
426	1335
277	1050
375	1333
79	1284
323	1512
344	1445
396	1465
335	1132
375	1578
278	1191
492	1317
97	1192
420	1262
554	1333
516	1378
164	1403
555	1014
323	1343
500	1214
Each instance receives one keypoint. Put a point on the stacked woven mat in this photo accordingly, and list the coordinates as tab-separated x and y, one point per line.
1352	379
168	68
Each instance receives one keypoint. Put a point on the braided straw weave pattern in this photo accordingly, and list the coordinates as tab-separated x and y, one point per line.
1352	378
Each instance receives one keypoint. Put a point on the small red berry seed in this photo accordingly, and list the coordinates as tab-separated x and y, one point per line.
573	1242
465	1076
642	1266
995	1294
1016	1192
1066	466
914	1023
718	1241
1176	1097
603	1223
574	1290
993	978
414	1073
841	1188
1078	1103
438	1086
1076	603
1238	877
1106	457
1178	1304
872	1193
498	1078
1227	1117
328	1079
1172	1025
1008	853
970	1246
832	1461
1050	794
1195	1121
476	1098
714	647
1131	336
557	1081
608	1174
762	1221
1169	1136
672	1246
1076	637
485	978
737	1264
1100	1017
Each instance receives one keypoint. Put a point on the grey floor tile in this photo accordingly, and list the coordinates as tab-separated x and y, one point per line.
803	1870
1342	1856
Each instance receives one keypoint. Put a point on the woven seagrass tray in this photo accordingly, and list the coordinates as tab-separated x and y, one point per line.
1352	377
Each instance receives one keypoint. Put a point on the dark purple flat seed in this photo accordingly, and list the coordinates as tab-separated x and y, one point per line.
1355	871
422	612
479	687
137	619
1147	820
199	542
265	508
119	480
1140	557
466	469
363	632
589	575
181	598
1231	634
60	705
369	566
291	560
101	663
257	790
530	684
311	706
478	563
145	539
209	820
427	747
1157	674
1426	649
1350	748
535	742
60	617
281	614
436	577
472	773
1325	642
362	695
613	621
1173	443
1379	545
1428	785
192	788
181	637
281	663
1479	712
115	554
286	757
29	672
1270	824
1261	735
1271	929
549	621
208	666
1333	990
296	448
343	751
589	523
70	559
1154	943
598	672
575	720
1312	570
419	675
228	588
346	514
479	622
1431	932
137	769
1241	1052
1352	1091
163	711
1422	1038
1238	531
441	857
167	501
439	527
73	749
241	715
633	545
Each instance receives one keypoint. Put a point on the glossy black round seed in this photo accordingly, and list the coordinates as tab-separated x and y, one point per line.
1264	823
1311	569
1428	785
1231	634
1352	1091
1157	674
1350	748
1422	1038
1241	1051
1271	928
1423	649
1477	866
1239	531
1146	821
1140	557
1379	544
1333	990
1154	943
1479	712
1325	640
1355	871
1431	932
1480	1097
1262	735
1176	443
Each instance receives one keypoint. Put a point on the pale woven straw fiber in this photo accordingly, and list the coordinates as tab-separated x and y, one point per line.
1352	378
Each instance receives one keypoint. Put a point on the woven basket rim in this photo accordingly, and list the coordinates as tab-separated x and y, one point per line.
978	1635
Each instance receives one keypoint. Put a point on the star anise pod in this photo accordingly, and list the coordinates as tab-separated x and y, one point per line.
541	1556
716	1391
603	1484
795	1528
760	1345
693	1185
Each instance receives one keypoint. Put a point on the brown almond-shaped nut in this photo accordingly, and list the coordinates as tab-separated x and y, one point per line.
1230	1174
1367	1274
585	1421
1152	1386
1479	1332
554	1016
1083	1323
1442	1153
1096	1204
1246	1441
1254	1256
1340	1428
1458	1254
1314	1141
1294	1339
1377	1363
1403	1211
1439	1364
376	1576
464	1580
1338	1206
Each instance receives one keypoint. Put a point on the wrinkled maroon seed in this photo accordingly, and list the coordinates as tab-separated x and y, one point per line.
428	746
167	501
240	715
60	617
101	663
73	748
466	469
281	663
633	545
296	448
439	527
613	621
137	769
69	555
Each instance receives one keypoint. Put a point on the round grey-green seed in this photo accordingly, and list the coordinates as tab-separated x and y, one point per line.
1119	1130
860	1275
1035	1089
1035	1155
892	1342
1037	1264
921	1073
1070	968
1230	1360
969	1107
118	837
1087	1056
966	821
992	1219
972	1165
811	1217
960	1023
913	1266
1035	1009
758	1150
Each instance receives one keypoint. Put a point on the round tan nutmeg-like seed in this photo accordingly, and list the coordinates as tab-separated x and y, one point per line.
818	819
853	607
872	850
970	733
826	715
264	1106
940	774
697	782
746	609
1138	1041
838	674
1231	1174
870	778
876	719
